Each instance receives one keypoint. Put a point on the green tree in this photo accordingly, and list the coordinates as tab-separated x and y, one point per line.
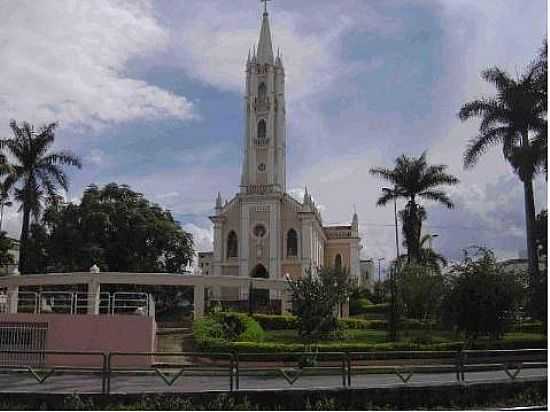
35	173
414	179
515	118
117	229
316	299
6	244
420	290
480	297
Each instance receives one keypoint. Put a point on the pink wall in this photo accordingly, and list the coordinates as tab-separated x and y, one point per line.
98	333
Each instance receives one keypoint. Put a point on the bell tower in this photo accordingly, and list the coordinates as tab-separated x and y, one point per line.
264	159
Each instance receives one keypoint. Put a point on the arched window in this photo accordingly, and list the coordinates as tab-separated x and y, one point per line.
261	129
338	262
262	91
232	245
292	243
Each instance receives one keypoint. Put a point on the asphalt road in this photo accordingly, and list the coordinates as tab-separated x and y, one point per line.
87	383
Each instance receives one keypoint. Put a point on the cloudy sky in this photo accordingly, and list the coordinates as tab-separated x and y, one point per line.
149	93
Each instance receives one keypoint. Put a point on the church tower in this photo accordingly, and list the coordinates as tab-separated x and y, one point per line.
264	160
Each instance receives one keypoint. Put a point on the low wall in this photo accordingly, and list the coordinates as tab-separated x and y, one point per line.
109	333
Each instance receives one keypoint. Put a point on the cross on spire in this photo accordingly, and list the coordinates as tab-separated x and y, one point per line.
265	5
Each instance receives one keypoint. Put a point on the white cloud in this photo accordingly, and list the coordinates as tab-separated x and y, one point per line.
65	61
211	39
203	238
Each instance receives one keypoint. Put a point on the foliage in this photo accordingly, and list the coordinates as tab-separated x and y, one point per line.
117	229
515	118
315	300
480	297
413	178
541	232
226	327
420	290
276	322
33	174
6	244
511	342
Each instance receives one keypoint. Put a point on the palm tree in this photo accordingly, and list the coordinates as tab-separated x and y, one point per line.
430	257
516	119
4	202
414	179
34	173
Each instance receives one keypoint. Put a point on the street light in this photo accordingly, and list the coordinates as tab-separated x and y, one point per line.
393	319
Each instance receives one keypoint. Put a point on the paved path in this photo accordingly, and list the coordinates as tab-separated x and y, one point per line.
86	383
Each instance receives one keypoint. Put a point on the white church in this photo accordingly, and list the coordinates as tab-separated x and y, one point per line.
263	232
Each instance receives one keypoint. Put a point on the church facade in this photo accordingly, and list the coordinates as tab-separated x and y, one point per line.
263	232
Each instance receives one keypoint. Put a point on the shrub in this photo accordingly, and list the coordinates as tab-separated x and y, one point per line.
276	322
480	296
222	327
378	308
269	347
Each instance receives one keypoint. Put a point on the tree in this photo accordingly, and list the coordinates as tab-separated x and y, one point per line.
541	232
514	118
429	257
480	297
316	299
117	229
420	290
35	173
414	179
6	244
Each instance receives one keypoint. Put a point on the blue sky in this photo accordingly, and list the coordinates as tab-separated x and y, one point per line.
149	93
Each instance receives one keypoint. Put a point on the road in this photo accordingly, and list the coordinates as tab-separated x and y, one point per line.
87	383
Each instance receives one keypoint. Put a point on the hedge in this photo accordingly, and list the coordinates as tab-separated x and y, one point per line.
276	322
266	347
378	308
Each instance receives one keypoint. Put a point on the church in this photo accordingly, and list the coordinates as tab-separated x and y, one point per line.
263	232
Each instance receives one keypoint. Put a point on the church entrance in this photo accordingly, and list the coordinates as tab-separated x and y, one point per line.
259	271
259	298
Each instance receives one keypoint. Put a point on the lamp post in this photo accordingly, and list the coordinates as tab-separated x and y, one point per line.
393	318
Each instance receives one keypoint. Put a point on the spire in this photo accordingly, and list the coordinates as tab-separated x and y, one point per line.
219	201
265	48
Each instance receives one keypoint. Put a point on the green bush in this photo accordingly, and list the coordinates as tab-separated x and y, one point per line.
378	308
220	328
529	327
276	322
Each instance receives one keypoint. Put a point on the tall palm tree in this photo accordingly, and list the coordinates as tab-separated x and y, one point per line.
430	257
414	179
35	173
515	119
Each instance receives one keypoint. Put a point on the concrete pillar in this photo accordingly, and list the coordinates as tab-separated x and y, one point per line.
13	299
94	290
198	301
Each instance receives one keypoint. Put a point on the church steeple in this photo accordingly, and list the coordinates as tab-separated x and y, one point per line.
265	47
264	157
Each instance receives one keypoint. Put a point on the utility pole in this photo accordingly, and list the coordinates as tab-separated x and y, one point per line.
393	287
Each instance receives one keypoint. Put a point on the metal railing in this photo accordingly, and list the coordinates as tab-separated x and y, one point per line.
23	336
168	368
73	303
